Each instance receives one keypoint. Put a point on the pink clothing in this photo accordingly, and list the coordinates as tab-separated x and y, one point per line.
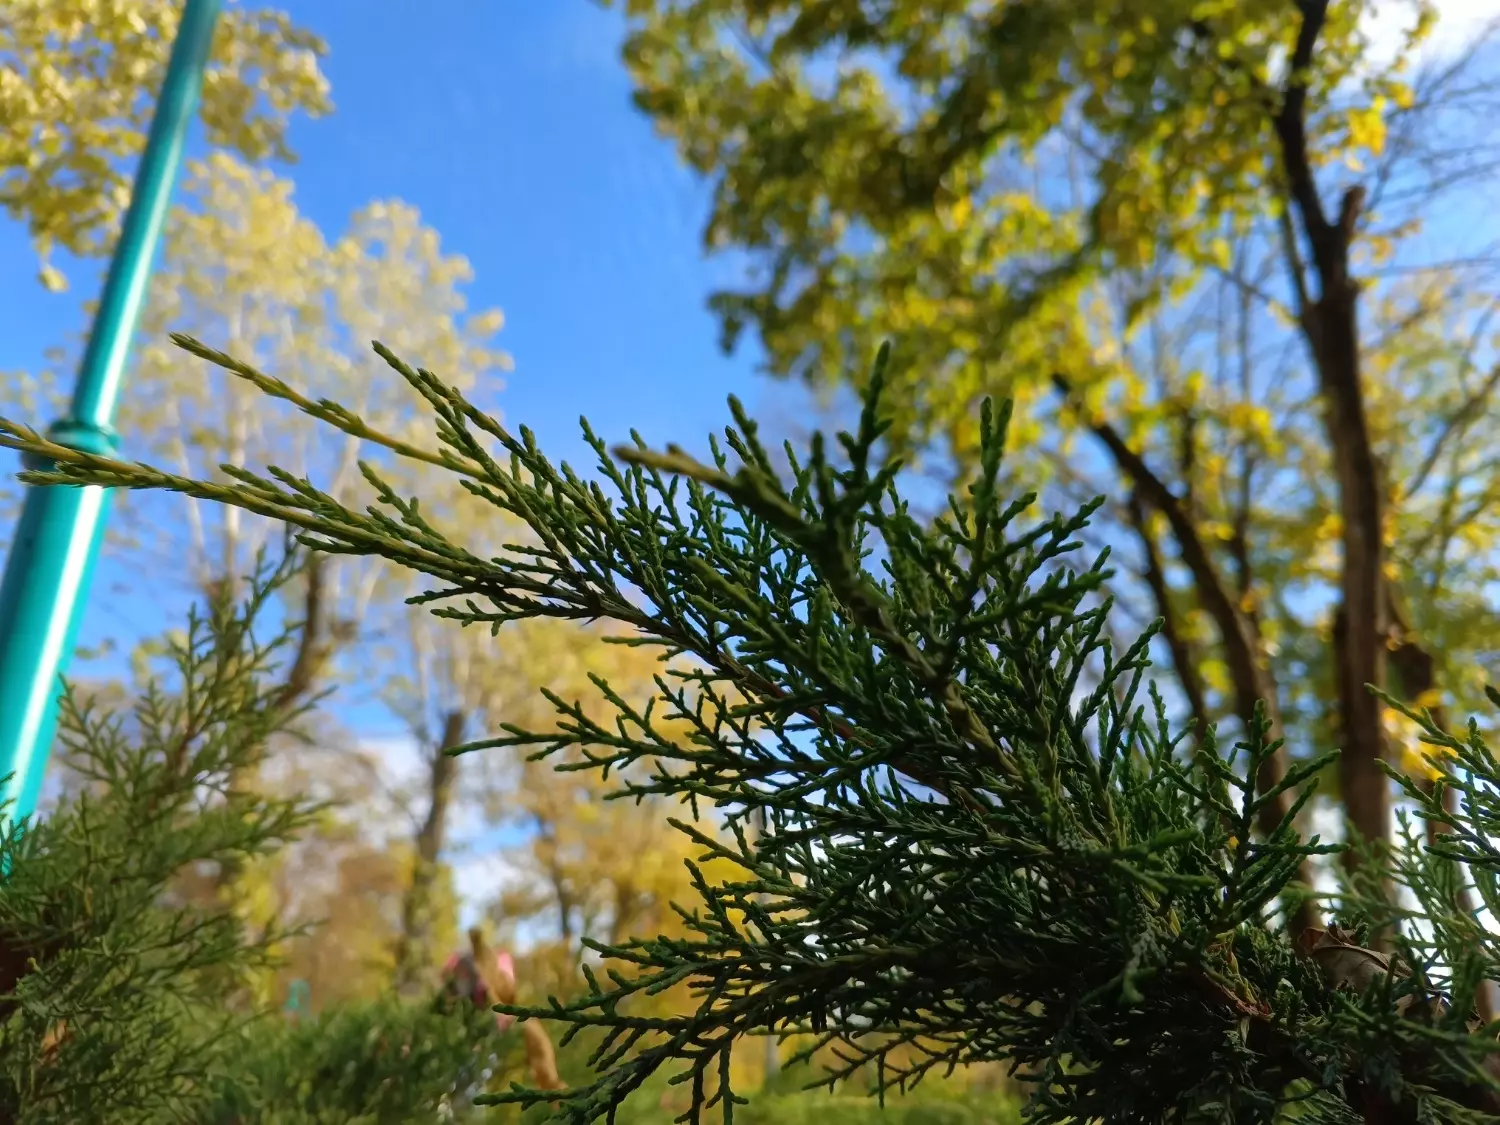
459	971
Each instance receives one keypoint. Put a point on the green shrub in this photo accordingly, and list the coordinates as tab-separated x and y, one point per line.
387	1062
121	1004
921	1107
117	1001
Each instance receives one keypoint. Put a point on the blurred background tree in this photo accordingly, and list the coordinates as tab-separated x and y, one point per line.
78	80
1207	248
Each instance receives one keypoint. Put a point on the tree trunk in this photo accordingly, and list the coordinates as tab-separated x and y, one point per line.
1183	652
1242	645
1415	672
1330	325
416	905
317	638
1360	625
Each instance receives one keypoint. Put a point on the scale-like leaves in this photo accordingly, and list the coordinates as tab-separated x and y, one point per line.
983	841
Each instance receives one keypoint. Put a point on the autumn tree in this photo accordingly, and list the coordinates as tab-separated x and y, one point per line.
338	888
1182	236
78	83
250	271
587	869
244	268
449	685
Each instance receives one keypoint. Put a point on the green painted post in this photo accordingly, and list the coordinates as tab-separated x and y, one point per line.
57	539
298	999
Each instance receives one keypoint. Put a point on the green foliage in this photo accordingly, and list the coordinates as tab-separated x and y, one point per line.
982	844
813	1109
961	176
116	996
385	1062
796	1095
124	996
1142	197
79	82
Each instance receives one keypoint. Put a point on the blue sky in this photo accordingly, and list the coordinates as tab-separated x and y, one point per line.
509	125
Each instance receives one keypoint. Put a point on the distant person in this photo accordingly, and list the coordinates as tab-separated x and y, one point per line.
485	978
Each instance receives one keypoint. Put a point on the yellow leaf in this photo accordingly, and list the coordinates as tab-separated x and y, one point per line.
1367	127
52	278
1415	763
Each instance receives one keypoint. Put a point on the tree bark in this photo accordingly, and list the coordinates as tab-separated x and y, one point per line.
316	641
416	905
1415	673
317	637
1330	326
1181	649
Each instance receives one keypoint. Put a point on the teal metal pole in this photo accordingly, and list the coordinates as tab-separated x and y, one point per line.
57	538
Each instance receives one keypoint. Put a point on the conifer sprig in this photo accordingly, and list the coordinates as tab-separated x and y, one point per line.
112	988
982	843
